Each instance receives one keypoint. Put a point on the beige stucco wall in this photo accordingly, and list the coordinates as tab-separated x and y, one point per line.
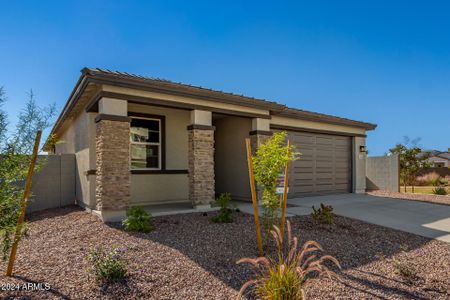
148	189
164	188
111	106
359	165
291	122
230	156
182	99
78	139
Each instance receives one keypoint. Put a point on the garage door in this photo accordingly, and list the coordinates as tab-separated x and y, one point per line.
325	166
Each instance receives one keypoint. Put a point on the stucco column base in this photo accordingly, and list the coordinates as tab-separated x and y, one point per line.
110	215
113	177
206	207
201	165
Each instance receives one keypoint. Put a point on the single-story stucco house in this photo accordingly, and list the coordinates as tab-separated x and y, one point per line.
439	159
146	141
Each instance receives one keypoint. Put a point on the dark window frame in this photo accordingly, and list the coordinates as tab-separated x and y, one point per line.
162	122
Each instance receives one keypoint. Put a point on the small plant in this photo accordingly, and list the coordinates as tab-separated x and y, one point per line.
138	220
225	213
107	266
323	214
270	160
286	276
380	256
404	247
403	269
440	190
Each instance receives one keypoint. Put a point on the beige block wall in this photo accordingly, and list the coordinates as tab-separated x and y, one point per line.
149	189
383	173
77	139
230	156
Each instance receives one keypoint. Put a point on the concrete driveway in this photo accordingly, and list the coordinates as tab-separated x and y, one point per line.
425	219
421	218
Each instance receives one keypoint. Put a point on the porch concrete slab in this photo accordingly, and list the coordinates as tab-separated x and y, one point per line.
421	218
176	208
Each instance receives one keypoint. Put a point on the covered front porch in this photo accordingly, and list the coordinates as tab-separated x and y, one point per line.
169	160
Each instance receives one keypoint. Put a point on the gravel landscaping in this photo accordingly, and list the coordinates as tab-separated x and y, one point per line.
188	257
437	199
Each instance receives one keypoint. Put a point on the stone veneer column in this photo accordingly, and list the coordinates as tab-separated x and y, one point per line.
201	160
113	178
112	152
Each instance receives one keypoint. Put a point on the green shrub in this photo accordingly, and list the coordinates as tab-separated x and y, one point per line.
403	269
270	160
324	214
138	220
440	191
225	213
286	276
16	146
107	266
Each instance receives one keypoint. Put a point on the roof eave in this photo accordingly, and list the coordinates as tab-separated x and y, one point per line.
317	117
74	95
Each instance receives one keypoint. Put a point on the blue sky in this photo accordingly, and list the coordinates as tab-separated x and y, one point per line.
386	62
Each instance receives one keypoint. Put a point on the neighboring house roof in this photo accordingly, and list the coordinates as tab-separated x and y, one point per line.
439	154
445	155
123	79
434	152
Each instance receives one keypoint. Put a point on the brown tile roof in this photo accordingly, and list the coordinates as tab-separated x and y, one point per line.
167	85
275	107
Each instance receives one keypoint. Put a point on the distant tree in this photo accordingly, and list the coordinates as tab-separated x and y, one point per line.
15	149
412	160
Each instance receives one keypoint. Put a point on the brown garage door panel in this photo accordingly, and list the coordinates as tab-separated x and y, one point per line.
324	166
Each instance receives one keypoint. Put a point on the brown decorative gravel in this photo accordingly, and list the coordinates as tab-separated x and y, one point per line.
437	199
188	257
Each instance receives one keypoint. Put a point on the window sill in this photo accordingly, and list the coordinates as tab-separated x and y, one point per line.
159	171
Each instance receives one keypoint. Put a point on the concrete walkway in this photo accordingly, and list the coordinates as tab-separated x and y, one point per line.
425	219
